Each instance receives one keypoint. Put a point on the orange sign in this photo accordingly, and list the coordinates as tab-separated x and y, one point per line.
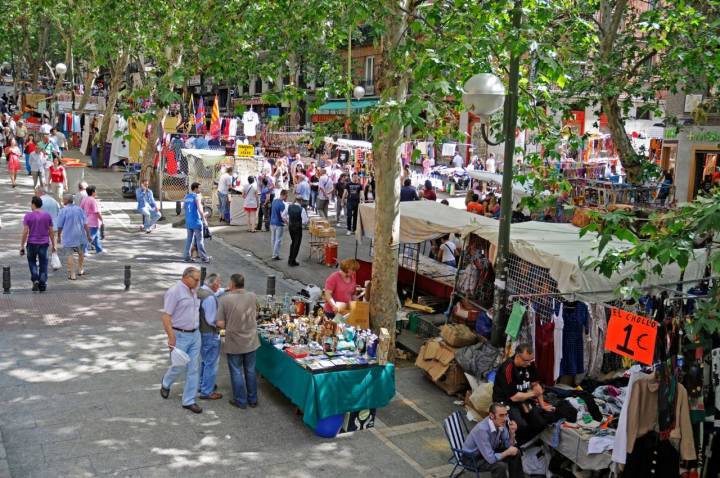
632	336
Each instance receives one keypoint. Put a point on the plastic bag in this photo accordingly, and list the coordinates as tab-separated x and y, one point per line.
55	261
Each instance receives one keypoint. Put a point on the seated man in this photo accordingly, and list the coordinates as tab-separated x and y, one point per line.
517	385
475	206
491	442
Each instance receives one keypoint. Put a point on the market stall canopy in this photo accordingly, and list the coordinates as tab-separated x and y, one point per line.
560	249
422	220
209	156
519	191
349	143
340	107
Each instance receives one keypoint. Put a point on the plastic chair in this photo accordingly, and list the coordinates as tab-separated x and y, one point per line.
456	429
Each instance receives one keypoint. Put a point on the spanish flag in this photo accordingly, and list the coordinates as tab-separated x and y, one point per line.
215	119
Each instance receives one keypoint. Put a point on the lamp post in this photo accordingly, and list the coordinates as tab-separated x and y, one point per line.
484	94
358	92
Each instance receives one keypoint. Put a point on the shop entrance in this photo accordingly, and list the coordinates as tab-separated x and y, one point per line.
706	165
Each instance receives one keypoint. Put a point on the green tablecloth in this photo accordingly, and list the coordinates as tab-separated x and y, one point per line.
321	395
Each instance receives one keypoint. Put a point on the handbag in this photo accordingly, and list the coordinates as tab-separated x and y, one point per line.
206	233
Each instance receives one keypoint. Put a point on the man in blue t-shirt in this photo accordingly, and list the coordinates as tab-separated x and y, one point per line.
277	224
194	223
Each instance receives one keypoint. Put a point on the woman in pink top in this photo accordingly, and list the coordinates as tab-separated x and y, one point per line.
340	288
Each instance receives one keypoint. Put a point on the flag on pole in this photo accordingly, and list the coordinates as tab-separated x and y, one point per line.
190	123
200	127
215	119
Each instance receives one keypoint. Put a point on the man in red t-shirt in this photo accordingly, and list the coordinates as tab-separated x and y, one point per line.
474	206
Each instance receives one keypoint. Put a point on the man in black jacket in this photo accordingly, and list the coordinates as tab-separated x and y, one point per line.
295	216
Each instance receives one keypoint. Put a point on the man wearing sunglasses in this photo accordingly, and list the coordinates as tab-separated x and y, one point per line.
517	384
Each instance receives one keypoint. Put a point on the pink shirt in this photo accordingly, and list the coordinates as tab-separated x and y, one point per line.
90	206
340	290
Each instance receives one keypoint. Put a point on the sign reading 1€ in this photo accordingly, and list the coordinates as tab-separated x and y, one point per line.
245	151
632	336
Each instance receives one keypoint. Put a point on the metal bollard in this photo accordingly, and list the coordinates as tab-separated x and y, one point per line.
203	275
270	286
128	275
6	279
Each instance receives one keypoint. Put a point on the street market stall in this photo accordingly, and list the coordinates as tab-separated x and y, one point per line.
326	368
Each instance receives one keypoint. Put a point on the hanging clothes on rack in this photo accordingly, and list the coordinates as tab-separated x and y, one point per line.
557	319
575	321
544	349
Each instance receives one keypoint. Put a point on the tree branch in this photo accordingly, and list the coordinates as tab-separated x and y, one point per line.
633	71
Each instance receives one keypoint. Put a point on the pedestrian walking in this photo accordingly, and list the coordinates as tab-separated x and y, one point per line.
250	202
277	225
95	151
147	206
194	223
37	167
224	184
12	153
58	178
29	148
38	234
21	133
302	190
340	199
49	204
353	198
295	216
266	197
210	336
237	314
181	321
92	211
325	190
81	193
73	234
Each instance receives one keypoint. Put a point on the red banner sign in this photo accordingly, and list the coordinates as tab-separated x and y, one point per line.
632	336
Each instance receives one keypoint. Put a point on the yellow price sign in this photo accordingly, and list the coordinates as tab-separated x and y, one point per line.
245	151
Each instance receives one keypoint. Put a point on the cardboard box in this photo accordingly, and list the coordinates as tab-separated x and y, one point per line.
437	359
359	314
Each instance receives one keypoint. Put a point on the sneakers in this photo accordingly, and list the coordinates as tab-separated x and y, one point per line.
36	286
206	259
189	259
348	233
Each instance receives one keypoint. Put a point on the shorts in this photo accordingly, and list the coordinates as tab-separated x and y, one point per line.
250	209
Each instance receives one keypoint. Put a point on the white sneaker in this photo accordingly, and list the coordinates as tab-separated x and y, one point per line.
349	233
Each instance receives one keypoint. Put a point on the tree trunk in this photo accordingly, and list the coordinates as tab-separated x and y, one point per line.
117	74
629	159
87	86
388	133
148	159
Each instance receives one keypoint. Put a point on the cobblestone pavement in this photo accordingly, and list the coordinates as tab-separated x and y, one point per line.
80	367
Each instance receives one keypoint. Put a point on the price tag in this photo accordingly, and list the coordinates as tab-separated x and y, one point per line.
245	151
632	336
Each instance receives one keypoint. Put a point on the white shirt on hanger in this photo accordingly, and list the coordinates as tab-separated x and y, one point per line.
250	122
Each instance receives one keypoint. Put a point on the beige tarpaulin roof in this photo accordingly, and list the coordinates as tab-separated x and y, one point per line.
559	248
421	220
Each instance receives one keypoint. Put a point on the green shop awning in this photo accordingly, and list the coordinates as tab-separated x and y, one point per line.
340	106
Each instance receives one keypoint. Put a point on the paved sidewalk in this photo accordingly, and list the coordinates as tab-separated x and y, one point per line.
80	367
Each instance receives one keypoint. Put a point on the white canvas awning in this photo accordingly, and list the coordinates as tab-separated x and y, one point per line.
560	249
209	156
421	220
518	190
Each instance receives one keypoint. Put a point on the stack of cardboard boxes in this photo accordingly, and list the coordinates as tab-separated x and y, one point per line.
437	358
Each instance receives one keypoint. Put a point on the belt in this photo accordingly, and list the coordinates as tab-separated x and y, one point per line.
183	330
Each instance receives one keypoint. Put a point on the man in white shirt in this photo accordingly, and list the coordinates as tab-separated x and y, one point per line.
45	128
224	185
490	165
458	161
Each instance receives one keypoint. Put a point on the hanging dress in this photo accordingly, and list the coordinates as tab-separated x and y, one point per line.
557	338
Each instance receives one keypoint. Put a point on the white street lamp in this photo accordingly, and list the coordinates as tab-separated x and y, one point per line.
484	94
61	68
358	92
